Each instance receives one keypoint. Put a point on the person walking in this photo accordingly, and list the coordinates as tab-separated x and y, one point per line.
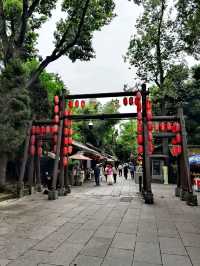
110	175
97	175
114	174
125	171
120	167
106	172
132	170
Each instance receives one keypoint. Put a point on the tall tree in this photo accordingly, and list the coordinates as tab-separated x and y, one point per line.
20	21
188	25
155	47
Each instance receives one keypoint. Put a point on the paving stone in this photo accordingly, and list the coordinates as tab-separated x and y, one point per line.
118	257
82	260
4	262
80	236
147	252
127	228
137	263
172	246
147	237
97	247
175	260
125	241
194	254
106	231
192	240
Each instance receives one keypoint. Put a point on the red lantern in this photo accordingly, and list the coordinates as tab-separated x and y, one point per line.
150	136
66	131
139	106
149	115
138	95
33	130
139	116
156	127
55	138
179	149
65	150
70	131
150	148
32	150
56	119
70	141
65	141
37	130
32	141
48	129
56	99
169	126
70	149
174	141
139	127
55	129
82	104
130	100
176	127
162	126
39	151
65	161
149	126
125	101
56	109
70	104
139	139
178	138
140	149
77	103
148	104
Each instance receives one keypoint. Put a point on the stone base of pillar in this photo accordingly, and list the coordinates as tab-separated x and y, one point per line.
52	195
177	192
31	190
192	200
20	190
148	198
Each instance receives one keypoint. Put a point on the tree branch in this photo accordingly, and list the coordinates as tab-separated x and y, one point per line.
32	8
3	33
56	53
24	19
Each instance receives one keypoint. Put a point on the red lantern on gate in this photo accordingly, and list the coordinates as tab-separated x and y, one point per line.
179	149
162	126
33	140
169	126
33	130
56	119
70	104
56	99
148	104
178	138
65	161
55	129
66	131
156	127
149	126
125	101
150	136
150	148
174	141
32	150
65	150
77	103
39	151
70	140
48	129
82	104
70	149
139	139
130	100
176	127
56	109
139	116
65	141
139	106
140	149
149	115
139	127
70	131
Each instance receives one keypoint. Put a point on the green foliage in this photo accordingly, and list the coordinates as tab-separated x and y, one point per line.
15	107
126	142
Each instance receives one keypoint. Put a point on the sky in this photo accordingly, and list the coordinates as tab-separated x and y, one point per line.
107	72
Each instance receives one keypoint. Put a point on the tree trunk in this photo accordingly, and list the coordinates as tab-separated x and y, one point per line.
3	166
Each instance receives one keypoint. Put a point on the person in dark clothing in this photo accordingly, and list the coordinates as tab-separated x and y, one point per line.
126	171
97	175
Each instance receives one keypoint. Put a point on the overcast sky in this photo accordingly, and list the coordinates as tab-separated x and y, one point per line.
107	72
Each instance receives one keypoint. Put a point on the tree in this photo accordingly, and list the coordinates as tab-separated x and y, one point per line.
188	25
21	20
155	47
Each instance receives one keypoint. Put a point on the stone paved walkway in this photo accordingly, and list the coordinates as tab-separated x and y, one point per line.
107	226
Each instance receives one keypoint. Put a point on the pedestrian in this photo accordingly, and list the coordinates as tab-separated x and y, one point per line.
97	175
120	167
132	170
110	175
125	171
106	172
114	173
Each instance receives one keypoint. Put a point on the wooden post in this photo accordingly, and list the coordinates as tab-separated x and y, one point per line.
38	173
148	195
20	185
186	183
30	175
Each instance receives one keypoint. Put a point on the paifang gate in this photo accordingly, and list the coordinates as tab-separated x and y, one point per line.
149	127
